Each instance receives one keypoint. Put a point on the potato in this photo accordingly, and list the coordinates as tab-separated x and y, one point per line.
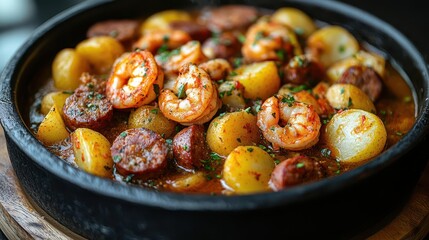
101	52
231	94
233	129
260	80
151	117
67	67
299	21
344	95
162	20
58	98
331	44
361	58
52	129
355	135
188	182
247	169
92	152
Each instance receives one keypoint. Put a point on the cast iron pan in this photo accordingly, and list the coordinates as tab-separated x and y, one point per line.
350	206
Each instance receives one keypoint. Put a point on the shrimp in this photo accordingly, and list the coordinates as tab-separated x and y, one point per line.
314	97
301	124
193	99
168	39
217	68
131	79
270	41
191	52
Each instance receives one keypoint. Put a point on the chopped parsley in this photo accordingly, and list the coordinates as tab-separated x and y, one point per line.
300	165
280	54
259	35
350	103
241	38
129	178
156	89
182	92
295	89
289	100
326	152
117	158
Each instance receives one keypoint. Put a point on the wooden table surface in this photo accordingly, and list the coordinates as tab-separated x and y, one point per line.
20	219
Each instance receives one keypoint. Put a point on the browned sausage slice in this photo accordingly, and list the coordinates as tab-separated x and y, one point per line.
195	30
123	30
139	151
365	78
295	171
231	17
302	70
224	45
88	106
189	147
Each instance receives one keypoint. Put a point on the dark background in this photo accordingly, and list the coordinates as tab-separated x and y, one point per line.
18	18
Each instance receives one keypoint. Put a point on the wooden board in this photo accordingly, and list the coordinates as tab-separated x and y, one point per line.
20	219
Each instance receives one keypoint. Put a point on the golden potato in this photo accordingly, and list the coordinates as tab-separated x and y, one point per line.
162	20
52	129
299	21
187	182
247	169
151	117
361	58
355	135
331	44
92	152
233	129
231	95
67	67
260	80
58	98
345	95
101	52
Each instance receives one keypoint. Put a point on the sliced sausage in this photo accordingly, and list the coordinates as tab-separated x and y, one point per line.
224	45
139	151
195	30
123	30
88	106
230	17
302	70
295	171
366	78
189	147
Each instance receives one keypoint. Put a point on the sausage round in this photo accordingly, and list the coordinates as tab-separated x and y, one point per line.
295	171
139	151
231	17
123	30
225	45
301	70
88	106
366	78
189	147
196	31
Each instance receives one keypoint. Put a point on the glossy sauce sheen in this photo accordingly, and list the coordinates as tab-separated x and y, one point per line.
395	107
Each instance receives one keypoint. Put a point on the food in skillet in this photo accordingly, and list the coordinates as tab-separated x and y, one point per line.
213	102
